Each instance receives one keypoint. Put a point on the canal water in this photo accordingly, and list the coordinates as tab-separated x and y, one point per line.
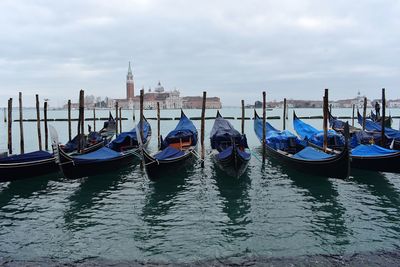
198	215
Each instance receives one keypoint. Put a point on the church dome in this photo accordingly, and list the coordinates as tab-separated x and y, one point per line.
159	88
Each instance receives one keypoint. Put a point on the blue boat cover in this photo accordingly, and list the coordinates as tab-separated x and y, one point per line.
228	152
309	133
371	151
275	138
310	153
94	137
376	126
223	131
169	153
184	129
27	157
101	154
130	138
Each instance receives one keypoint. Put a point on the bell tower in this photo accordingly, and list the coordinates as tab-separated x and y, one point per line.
130	86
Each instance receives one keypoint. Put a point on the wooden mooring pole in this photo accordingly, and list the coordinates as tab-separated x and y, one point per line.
284	114
69	121
202	126
9	128
5	114
364	113
158	126
383	118
141	113
21	126
264	104
81	120
94	119
120	119
352	117
46	129
38	122
325	118
243	115
116	118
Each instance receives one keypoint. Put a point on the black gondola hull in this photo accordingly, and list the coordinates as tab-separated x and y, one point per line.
76	169
19	171
157	169
336	167
234	165
387	163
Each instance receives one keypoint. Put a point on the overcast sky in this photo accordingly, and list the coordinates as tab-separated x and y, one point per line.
231	49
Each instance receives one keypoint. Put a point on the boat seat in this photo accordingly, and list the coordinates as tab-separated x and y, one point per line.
182	145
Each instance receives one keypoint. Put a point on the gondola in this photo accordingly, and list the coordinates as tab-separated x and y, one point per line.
16	167
359	136
338	125
369	156
119	153
177	150
293	152
316	137
377	119
374	126
92	141
36	163
230	149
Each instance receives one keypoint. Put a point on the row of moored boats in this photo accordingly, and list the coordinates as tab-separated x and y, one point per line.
347	148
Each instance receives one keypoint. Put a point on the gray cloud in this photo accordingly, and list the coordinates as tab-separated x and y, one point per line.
231	49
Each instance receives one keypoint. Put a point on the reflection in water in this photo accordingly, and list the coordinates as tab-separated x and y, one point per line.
236	202
383	189
90	192
328	214
22	188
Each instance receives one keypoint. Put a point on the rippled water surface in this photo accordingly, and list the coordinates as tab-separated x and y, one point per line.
199	214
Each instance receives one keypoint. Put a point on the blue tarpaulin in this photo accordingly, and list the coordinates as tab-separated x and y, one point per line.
371	151
228	152
275	138
224	132
309	133
185	129
130	138
169	153
310	153
27	157
101	154
376	126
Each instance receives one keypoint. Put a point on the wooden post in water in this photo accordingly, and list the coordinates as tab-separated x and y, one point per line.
325	118
82	98
38	122
158	126
264	104
46	129
202	126
364	113
116	118
69	121
21	126
141	113
330	108
352	117
243	115
81	120
383	118
94	118
5	116
284	114
120	119
9	128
